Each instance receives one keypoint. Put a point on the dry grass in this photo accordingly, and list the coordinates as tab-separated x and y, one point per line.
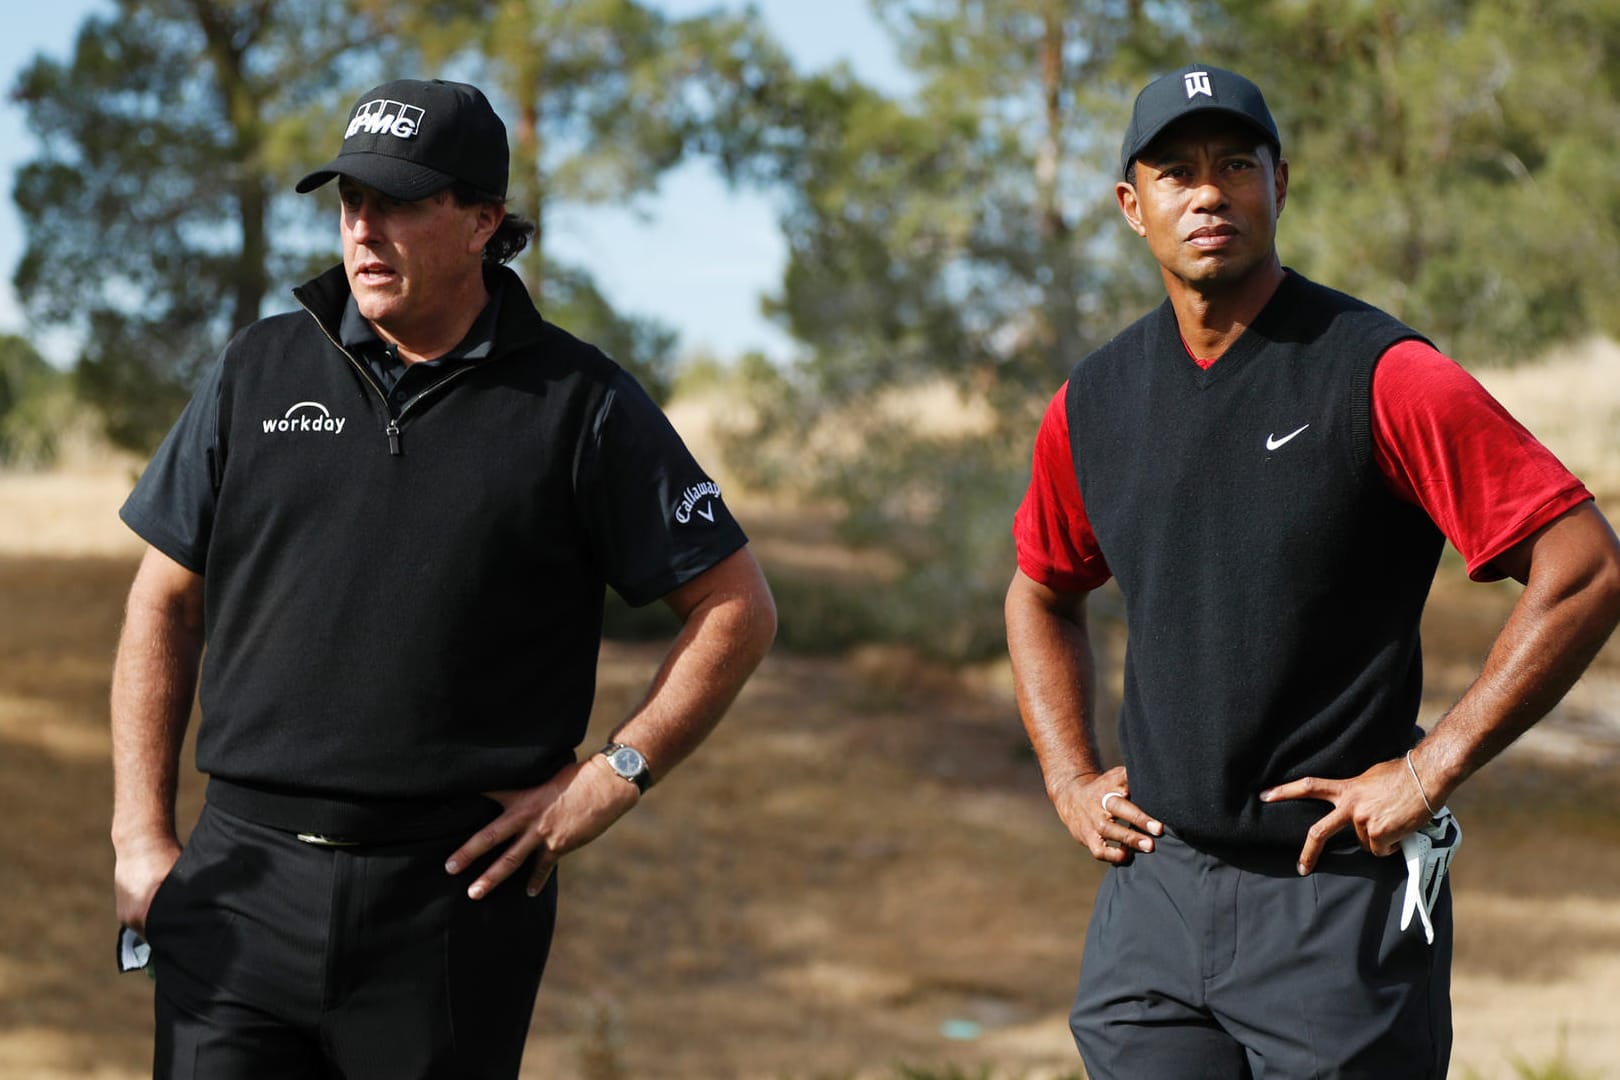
862	853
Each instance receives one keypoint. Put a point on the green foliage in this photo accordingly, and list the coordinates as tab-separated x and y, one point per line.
1450	162
1449	167
149	212
645	347
129	371
822	618
701	371
968	237
160	214
35	405
603	97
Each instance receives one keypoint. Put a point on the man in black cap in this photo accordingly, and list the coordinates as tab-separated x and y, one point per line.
1269	470
391	517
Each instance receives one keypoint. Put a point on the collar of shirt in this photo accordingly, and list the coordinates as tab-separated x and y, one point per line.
358	336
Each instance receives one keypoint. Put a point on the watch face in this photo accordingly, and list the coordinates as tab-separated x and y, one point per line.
627	761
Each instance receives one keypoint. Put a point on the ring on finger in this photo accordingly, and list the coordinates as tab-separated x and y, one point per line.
1111	795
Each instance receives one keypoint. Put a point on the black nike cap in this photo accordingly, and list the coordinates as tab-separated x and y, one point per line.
1196	88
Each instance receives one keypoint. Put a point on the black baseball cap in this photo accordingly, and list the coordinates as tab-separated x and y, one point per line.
1195	88
410	139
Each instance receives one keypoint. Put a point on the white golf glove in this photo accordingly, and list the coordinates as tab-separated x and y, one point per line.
1428	853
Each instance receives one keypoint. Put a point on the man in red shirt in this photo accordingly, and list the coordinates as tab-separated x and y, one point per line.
1268	467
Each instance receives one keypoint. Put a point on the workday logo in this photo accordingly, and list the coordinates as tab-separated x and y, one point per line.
704	493
386	117
309	416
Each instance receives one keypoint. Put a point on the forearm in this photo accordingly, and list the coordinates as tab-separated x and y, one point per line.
1054	677
154	680
1568	609
728	625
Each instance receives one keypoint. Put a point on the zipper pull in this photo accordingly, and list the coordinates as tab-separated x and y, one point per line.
393	437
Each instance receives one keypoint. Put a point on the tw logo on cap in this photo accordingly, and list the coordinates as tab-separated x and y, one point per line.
1197	82
385	117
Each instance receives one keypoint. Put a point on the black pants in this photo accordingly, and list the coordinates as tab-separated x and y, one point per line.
280	959
1199	967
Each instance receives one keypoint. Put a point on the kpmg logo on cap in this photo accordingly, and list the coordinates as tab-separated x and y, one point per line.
386	117
1197	82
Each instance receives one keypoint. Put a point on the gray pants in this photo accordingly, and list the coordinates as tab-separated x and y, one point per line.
1199	967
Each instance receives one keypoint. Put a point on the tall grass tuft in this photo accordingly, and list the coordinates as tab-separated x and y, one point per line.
1559	1068
599	1046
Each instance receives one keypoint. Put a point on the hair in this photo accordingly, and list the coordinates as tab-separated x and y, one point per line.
512	235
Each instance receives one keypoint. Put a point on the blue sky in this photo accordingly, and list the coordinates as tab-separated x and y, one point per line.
696	256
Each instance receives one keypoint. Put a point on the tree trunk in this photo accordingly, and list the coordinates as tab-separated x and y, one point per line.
1055	231
226	43
253	207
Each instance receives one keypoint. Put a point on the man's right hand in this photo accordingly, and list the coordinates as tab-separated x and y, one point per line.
1113	834
137	873
566	812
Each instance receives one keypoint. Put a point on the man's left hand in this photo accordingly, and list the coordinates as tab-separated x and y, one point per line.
1382	804
566	812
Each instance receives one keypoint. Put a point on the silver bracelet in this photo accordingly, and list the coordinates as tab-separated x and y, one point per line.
1418	780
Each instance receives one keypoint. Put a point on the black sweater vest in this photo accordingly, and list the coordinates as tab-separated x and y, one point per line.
457	572
1273	585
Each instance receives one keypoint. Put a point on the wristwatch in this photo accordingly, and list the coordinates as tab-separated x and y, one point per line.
628	763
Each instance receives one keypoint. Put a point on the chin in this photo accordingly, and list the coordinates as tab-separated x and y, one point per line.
1220	273
371	307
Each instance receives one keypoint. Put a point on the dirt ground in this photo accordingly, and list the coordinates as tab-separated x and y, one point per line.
859	871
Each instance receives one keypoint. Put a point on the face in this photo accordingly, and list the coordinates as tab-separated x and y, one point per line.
1206	199
412	266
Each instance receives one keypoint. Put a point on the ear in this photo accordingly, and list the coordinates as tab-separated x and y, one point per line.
487	217
1125	194
1281	176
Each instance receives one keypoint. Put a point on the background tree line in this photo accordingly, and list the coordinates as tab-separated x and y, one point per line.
1453	161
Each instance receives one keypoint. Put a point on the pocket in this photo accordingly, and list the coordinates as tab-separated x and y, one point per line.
154	909
172	889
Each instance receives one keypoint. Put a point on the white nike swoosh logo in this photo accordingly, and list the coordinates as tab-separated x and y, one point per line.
1272	442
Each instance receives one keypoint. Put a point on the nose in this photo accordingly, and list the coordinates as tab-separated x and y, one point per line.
1209	195
362	220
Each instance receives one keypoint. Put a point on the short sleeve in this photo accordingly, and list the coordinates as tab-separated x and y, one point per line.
1053	537
1444	443
172	506
655	519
